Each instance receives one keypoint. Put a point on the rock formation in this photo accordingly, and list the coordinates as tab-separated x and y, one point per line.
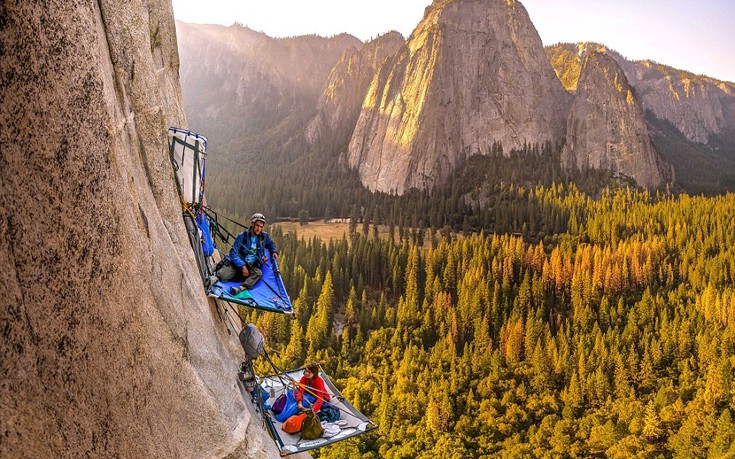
698	106
472	76
344	90
473	73
109	346
236	56
606	129
243	85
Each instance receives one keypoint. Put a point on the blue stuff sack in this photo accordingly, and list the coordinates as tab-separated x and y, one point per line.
329	413
264	395
289	408
207	243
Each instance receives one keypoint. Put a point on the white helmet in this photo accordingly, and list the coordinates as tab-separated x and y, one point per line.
257	217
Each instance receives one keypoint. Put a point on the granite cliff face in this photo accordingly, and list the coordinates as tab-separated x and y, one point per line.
606	129
698	106
241	83
344	90
109	346
473	73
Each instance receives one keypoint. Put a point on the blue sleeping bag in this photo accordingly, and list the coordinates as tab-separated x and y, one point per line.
292	406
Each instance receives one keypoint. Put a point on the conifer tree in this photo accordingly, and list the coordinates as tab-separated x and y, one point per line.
296	348
319	330
651	423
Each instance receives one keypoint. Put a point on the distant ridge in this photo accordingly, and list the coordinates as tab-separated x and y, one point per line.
473	78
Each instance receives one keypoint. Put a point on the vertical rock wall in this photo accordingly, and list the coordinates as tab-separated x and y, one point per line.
339	104
606	129
700	107
108	346
472	74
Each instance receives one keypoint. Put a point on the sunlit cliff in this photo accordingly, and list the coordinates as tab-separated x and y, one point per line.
472	74
606	128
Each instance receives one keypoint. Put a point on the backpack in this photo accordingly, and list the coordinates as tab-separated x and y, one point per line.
294	424
251	341
311	428
279	404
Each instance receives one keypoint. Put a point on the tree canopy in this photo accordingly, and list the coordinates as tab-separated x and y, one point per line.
603	328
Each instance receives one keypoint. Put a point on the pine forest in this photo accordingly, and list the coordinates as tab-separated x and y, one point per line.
604	329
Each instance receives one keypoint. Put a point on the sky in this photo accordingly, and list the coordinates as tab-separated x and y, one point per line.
693	35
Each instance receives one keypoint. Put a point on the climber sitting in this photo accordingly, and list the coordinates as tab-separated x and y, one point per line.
313	385
247	256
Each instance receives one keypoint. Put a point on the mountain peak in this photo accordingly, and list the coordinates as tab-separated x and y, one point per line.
472	74
700	107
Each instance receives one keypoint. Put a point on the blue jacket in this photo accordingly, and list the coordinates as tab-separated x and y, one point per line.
239	249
